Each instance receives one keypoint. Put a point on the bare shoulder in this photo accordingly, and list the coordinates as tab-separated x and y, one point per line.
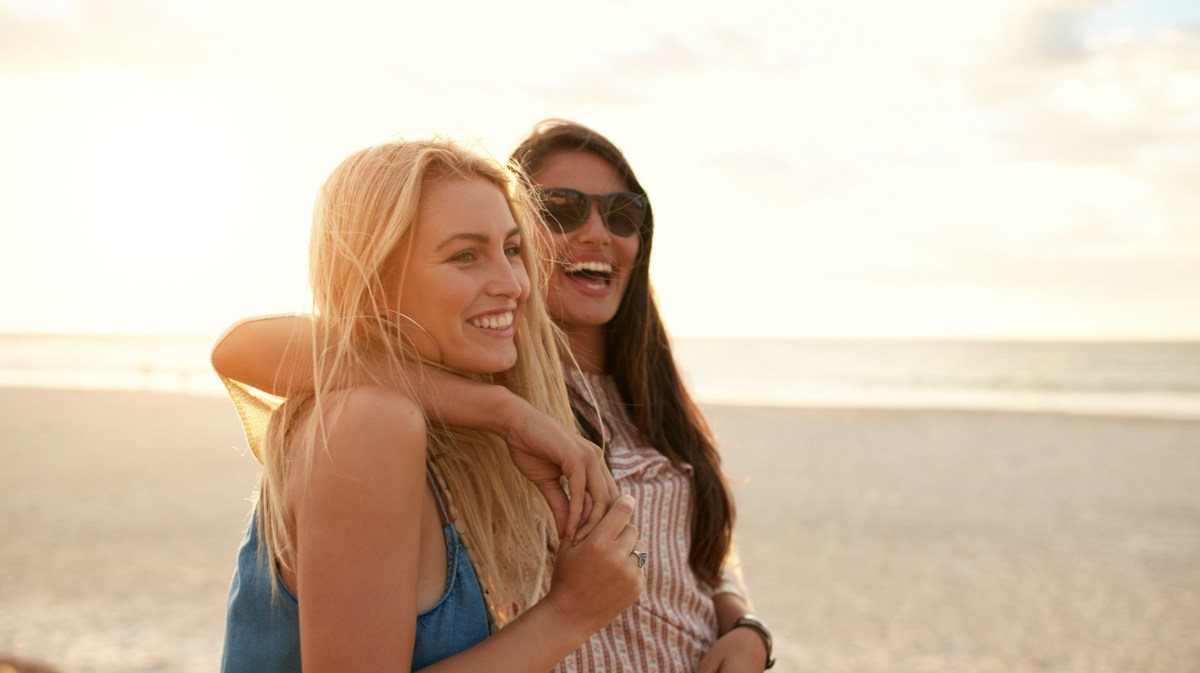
368	407
368	434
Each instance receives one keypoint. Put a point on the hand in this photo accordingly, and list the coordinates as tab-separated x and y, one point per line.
596	579
740	650
544	451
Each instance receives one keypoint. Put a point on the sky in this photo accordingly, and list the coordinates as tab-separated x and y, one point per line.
865	168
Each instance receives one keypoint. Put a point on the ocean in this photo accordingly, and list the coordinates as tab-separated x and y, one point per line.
1156	379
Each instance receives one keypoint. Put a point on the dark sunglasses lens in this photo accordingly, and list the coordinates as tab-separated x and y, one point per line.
565	210
625	213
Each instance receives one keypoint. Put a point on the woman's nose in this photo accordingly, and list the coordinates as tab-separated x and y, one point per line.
507	278
593	228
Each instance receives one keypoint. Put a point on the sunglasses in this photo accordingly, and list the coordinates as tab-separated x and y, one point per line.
623	213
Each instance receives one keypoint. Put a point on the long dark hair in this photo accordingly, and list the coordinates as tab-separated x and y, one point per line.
638	356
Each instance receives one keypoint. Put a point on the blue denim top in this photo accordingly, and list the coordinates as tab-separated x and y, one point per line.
264	637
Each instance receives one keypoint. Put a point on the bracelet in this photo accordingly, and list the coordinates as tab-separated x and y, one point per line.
760	627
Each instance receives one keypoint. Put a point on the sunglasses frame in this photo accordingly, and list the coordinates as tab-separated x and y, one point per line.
605	202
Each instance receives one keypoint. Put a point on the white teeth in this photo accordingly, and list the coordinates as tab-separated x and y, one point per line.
494	321
599	267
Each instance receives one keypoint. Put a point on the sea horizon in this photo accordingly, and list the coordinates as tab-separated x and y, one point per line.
1139	377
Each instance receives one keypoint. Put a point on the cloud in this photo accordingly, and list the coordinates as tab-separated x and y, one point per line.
651	66
133	36
777	180
602	90
1045	36
709	48
1124	102
1120	96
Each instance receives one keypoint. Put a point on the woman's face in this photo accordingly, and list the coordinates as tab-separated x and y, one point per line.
592	265
465	280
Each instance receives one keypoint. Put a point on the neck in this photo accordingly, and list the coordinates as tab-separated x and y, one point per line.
587	345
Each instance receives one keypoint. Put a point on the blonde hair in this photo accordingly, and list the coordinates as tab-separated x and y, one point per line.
364	213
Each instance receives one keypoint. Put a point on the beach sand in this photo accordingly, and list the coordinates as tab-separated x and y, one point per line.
872	540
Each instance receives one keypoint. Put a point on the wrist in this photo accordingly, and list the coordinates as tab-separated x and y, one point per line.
757	625
569	618
504	409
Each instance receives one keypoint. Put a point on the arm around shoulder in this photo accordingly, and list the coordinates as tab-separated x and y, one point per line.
271	353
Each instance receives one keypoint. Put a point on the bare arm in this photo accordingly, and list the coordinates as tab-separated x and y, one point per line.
358	602
737	650
358	514
593	582
274	354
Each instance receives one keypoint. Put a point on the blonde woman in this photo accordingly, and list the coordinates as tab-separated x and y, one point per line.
695	613
383	539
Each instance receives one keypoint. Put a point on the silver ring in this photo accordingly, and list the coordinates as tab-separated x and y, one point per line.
642	557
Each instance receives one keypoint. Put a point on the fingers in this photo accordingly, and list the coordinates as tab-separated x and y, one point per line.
545	451
615	521
577	483
628	541
556	499
605	487
596	579
596	484
603	490
639	554
590	512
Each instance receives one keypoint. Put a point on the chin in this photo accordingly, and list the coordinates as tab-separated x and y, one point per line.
594	318
489	365
507	364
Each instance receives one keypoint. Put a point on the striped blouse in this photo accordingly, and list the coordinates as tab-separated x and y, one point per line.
674	622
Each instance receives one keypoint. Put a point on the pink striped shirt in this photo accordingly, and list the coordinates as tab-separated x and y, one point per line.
674	622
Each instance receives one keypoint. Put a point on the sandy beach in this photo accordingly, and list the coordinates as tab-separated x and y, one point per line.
872	540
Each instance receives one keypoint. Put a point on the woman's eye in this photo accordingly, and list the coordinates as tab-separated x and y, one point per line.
512	249
465	256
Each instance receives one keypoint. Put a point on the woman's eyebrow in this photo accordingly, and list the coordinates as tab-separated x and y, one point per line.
474	237
465	236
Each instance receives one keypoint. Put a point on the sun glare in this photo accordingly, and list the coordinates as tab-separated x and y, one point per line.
881	168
